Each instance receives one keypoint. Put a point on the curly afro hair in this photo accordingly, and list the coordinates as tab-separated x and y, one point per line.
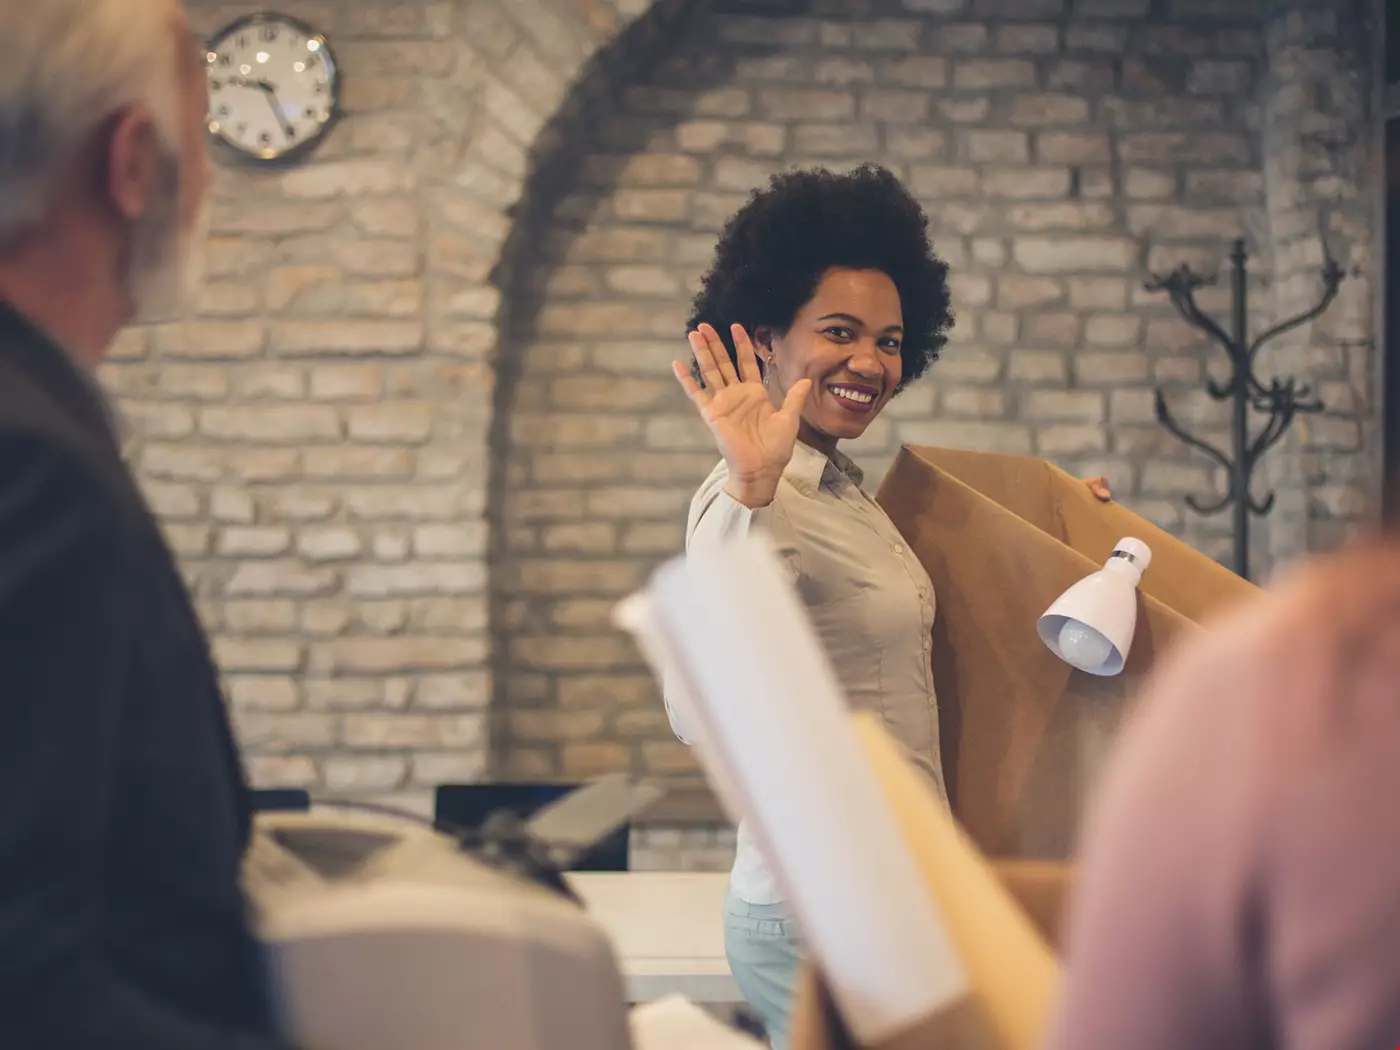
775	249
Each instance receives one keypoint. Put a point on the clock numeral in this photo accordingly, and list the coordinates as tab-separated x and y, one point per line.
320	87
265	139
216	85
243	41
269	34
225	60
242	130
224	111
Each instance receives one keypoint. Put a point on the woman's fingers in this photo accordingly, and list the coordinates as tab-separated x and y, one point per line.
705	359
1100	488
698	395
720	353
748	358
794	401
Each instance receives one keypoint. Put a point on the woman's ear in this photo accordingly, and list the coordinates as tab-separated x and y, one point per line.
763	340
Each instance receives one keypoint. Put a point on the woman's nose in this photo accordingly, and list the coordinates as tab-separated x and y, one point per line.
865	359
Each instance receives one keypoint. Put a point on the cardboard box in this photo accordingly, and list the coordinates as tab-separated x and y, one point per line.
1023	734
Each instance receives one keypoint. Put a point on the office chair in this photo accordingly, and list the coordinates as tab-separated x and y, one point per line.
460	808
281	800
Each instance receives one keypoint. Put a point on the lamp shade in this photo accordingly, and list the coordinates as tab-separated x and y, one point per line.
1091	625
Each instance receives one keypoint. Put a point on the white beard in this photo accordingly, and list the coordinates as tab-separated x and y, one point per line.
167	264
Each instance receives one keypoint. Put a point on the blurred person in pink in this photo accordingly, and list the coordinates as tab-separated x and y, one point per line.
1240	881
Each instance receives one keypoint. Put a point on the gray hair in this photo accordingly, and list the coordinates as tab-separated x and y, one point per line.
65	67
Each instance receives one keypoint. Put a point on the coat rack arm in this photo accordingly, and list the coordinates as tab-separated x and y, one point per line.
1181	289
1271	434
1332	277
1261	507
1214	506
1218	391
1279	400
1165	417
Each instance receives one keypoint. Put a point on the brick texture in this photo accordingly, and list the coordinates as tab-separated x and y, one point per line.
1060	158
420	432
315	434
1320	199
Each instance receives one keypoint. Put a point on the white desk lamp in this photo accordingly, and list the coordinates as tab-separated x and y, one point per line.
1091	625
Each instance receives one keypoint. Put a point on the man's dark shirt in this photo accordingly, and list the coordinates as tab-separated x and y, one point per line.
123	810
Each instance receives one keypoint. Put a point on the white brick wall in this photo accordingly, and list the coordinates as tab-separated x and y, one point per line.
314	434
1059	156
381	496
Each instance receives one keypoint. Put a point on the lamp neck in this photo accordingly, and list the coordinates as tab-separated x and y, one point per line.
1124	567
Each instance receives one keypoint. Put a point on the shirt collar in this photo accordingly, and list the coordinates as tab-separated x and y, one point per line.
809	469
77	371
116	422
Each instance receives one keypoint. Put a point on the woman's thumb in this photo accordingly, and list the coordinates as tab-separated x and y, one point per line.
796	398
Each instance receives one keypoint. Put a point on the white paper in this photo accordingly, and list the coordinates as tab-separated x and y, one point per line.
637	616
675	1023
774	729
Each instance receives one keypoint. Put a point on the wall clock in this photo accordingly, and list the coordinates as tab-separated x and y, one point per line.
274	87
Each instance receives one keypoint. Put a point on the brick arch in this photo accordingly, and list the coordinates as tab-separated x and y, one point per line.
317	433
314	432
1058	154
530	738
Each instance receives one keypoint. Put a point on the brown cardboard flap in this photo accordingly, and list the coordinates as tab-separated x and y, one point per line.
817	1025
1042	888
1022	732
1011	975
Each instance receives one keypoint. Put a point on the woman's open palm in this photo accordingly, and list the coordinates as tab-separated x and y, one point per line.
755	438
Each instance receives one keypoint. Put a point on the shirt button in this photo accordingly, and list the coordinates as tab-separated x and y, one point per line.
899	548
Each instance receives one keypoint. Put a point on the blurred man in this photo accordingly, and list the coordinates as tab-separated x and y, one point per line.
1240	886
123	811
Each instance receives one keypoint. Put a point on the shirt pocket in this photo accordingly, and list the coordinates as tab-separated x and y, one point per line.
856	653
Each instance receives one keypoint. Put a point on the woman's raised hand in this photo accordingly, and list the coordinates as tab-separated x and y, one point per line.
755	438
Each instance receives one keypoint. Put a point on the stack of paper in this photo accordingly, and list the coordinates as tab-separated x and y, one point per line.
774	729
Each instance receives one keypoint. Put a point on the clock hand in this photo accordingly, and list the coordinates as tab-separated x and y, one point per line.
270	93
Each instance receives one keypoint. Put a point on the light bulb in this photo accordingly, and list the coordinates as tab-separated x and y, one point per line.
1083	647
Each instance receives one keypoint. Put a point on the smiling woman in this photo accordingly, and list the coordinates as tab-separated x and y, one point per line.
825	301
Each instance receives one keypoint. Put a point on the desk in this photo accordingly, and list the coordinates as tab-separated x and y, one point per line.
667	928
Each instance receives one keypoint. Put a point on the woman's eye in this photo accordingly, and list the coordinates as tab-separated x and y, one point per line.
890	346
844	335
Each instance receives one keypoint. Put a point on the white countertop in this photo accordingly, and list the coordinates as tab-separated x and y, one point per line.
667	928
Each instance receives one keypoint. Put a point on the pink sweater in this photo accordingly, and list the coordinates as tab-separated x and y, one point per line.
1240	885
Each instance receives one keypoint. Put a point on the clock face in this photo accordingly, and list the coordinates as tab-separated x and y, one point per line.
274	89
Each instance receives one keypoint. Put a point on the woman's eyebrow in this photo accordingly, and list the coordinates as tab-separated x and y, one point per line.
853	319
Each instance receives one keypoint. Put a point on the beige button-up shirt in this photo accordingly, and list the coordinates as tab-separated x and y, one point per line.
868	596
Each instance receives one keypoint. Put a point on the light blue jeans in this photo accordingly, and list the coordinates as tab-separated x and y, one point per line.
764	952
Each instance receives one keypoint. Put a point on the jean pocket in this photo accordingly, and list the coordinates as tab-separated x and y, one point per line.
757	929
754	921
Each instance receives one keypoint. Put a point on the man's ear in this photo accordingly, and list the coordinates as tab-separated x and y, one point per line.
133	163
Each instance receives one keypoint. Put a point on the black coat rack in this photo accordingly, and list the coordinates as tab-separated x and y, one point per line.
1280	401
